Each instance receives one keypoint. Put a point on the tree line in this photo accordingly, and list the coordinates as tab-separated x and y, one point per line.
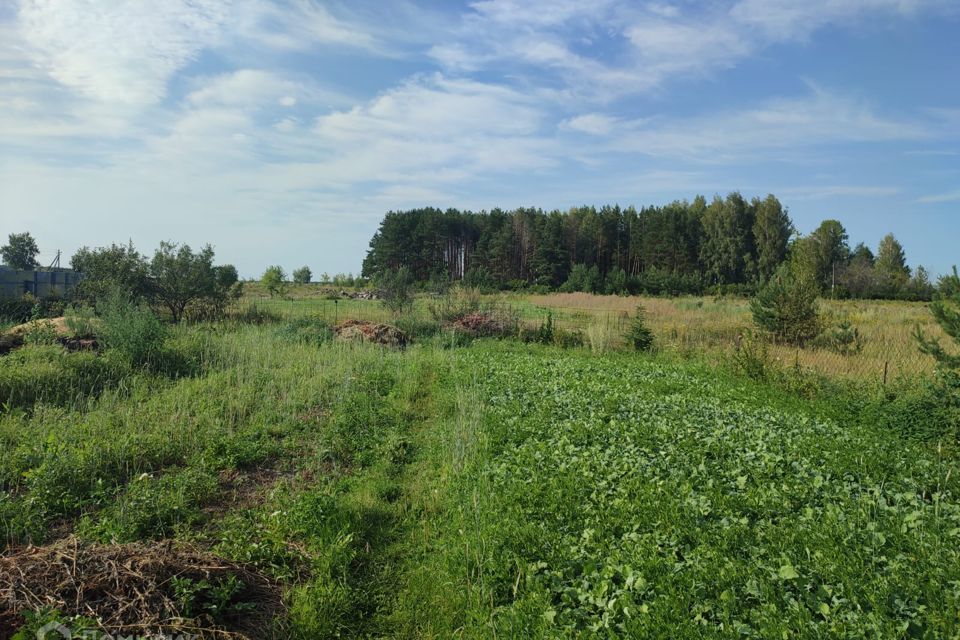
728	244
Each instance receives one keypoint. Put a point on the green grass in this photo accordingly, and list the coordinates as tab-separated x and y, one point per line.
619	497
499	490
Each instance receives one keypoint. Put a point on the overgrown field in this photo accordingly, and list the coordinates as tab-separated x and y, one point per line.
698	326
478	491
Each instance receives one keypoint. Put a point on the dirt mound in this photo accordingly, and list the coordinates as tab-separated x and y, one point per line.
375	332
138	589
59	325
479	325
14	337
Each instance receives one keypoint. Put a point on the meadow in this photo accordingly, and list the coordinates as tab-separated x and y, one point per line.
485	488
684	326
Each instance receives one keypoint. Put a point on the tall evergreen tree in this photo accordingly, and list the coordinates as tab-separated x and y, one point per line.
727	250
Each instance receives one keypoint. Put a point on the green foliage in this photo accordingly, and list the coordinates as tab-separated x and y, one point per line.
548	333
313	331
478	278
20	252
302	275
786	308
81	321
639	336
274	279
583	278
50	375
395	289
153	507
771	231
843	339
35	621
616	281
133	332
106	269
707	507
39	331
180	278
751	358
946	311
218	599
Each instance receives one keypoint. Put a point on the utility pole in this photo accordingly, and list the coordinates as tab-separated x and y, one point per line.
56	261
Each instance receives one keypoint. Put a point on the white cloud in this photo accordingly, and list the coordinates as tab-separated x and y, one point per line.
659	41
258	88
953	196
122	52
594	123
833	191
794	123
302	25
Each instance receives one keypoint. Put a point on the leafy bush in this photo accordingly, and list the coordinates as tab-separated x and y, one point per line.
132	331
302	275
456	302
639	335
843	339
751	358
395	289
786	308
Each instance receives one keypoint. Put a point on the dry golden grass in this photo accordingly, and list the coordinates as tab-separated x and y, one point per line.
694	324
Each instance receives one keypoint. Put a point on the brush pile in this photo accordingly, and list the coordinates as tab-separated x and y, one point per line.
139	589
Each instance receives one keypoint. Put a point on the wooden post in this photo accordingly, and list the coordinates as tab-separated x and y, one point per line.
886	369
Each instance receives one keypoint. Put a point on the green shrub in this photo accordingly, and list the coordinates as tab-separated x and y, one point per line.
786	308
132	331
395	289
639	335
751	358
843	339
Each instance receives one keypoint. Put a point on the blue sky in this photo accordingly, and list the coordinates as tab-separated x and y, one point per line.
281	132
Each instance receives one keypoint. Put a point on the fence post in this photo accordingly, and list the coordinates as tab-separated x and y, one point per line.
886	368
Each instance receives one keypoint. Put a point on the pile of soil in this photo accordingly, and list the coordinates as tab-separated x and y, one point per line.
479	325
128	589
375	332
14	337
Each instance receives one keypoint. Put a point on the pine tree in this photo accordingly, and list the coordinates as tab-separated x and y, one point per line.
786	308
946	311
